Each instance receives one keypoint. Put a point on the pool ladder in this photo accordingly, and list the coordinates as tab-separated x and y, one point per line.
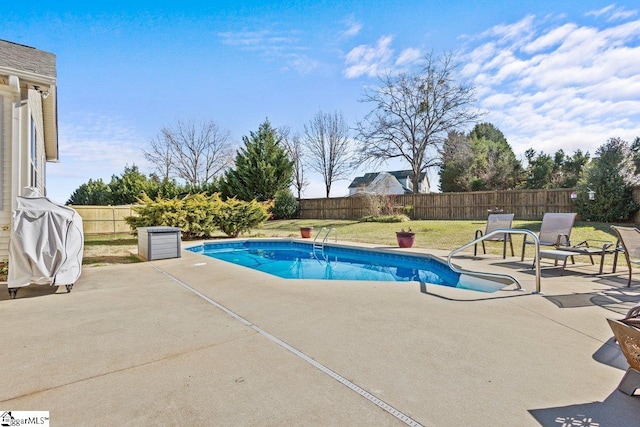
319	246
483	274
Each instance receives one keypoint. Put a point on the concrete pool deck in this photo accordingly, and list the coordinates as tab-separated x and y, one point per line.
194	340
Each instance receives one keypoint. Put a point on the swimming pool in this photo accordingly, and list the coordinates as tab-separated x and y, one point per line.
298	260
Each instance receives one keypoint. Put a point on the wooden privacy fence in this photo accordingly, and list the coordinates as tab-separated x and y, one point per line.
525	204
104	219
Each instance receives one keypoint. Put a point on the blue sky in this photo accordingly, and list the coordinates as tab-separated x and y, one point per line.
549	74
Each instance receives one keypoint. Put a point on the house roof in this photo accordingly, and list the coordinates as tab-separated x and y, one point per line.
36	69
363	181
406	174
27	59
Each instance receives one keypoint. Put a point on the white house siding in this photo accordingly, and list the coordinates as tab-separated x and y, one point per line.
387	184
5	173
383	184
32	108
26	74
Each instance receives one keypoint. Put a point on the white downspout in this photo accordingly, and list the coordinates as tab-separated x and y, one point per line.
14	83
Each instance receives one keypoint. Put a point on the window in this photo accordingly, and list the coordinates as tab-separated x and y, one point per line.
33	155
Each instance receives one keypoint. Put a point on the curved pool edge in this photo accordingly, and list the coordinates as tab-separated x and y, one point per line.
465	290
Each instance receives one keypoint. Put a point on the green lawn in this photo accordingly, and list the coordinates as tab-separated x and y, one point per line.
446	235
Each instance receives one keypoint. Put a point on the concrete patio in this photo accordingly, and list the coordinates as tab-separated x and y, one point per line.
196	341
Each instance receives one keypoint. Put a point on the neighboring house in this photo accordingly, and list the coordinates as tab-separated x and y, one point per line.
397	182
28	126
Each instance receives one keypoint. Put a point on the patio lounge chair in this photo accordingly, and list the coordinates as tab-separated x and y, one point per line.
496	222
629	240
628	338
555	231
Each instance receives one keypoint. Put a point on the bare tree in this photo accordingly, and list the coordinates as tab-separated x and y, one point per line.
294	147
194	152
160	156
412	115
327	141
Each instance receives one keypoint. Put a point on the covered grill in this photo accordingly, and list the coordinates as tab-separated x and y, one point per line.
46	246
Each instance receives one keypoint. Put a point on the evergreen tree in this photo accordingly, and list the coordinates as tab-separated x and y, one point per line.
559	171
163	188
611	175
457	158
92	193
483	160
128	187
572	168
262	167
540	170
635	148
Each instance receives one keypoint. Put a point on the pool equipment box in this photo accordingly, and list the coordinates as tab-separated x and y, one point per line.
158	242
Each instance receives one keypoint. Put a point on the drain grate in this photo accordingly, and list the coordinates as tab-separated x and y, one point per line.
362	392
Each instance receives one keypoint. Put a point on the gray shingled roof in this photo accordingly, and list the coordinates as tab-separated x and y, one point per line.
363	181
27	59
406	174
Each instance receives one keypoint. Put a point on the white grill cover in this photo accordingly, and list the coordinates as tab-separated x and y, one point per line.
46	246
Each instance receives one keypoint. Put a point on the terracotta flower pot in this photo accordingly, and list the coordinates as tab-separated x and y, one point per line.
405	238
305	232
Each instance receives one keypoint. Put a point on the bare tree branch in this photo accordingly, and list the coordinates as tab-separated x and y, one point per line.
293	145
159	155
194	152
327	140
412	115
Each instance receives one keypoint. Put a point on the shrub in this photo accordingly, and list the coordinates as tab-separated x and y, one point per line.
285	205
199	215
236	216
385	218
193	214
4	270
372	204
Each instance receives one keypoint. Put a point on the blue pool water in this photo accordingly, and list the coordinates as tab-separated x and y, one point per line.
297	260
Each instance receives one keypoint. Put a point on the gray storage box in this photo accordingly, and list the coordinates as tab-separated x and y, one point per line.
158	242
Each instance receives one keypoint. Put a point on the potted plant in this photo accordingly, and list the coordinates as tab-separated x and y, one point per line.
405	238
305	232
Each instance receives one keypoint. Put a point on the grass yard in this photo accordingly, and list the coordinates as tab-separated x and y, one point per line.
446	235
440	234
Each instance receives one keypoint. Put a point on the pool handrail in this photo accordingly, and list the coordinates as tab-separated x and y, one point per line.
320	246
317	235
509	231
326	236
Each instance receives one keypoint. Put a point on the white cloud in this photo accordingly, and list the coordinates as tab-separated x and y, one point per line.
552	38
369	60
95	145
602	11
353	27
273	45
512	33
408	56
551	85
613	13
622	14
